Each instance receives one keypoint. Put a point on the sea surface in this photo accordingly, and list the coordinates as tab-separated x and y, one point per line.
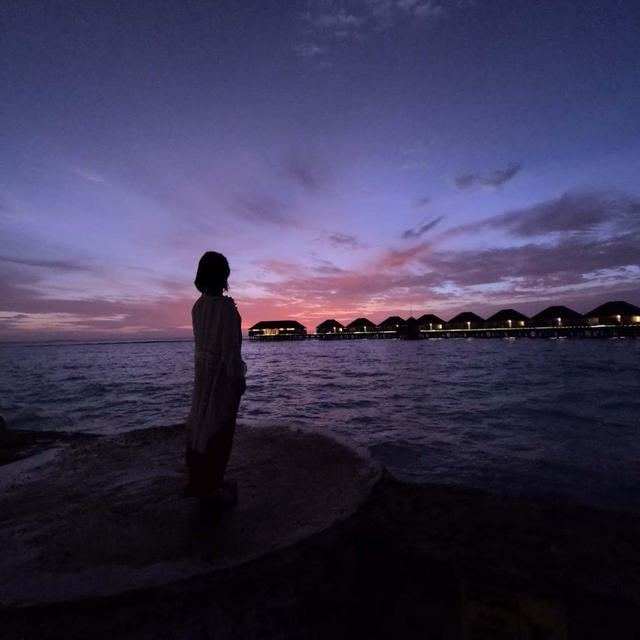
558	420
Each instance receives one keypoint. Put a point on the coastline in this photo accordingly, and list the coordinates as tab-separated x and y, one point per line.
18	444
403	560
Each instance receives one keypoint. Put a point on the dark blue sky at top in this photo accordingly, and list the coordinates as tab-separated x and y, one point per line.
349	157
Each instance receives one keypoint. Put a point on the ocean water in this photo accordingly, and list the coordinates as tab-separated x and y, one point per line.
553	419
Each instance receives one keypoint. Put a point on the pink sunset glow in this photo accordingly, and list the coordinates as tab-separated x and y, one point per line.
360	161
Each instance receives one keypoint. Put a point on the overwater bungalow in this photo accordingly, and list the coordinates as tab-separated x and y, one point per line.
277	328
361	325
618	312
392	323
506	319
429	322
465	320
330	326
411	330
557	316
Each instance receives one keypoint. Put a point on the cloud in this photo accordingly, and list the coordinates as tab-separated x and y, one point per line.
322	26
398	259
25	313
325	266
495	179
579	261
421	202
572	213
421	8
308	49
279	267
344	240
62	265
329	21
420	230
90	176
536	267
335	19
573	239
262	209
312	175
578	249
387	11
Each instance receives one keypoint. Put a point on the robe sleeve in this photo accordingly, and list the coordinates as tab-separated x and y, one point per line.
231	344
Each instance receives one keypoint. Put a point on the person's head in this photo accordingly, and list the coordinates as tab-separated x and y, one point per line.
213	271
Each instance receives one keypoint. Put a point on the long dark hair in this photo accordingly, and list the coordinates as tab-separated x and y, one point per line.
213	271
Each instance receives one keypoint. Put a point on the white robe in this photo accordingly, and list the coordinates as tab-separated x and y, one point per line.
219	369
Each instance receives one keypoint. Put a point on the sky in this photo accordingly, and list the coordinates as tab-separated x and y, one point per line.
357	158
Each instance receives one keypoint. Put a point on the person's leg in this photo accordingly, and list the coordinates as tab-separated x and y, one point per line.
198	465
218	494
218	454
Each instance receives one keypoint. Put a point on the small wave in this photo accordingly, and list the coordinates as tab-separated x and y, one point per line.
487	413
94	389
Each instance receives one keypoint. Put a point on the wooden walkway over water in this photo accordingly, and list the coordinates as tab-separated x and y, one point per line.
598	331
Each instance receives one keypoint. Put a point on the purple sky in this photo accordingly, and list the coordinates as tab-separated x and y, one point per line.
350	158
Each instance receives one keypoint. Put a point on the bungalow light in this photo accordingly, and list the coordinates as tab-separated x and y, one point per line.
635	318
559	321
468	325
509	323
618	318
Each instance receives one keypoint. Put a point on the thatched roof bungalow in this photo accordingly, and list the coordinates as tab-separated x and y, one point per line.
429	322
361	325
392	323
557	316
281	328
506	319
465	320
330	326
618	312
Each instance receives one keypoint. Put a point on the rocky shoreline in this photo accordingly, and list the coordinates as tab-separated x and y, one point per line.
17	444
323	545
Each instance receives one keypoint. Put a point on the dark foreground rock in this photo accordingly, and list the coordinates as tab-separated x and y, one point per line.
16	444
461	563
99	543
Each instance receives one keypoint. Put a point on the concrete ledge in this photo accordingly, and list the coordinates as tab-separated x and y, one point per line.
97	542
107	518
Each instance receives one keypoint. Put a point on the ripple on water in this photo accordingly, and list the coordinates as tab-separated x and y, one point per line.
539	417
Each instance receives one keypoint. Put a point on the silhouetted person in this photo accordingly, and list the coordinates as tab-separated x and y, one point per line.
219	383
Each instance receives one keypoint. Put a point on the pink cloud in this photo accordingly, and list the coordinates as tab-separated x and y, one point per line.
597	264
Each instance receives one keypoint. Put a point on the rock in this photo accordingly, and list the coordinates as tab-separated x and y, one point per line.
17	444
99	543
108	515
